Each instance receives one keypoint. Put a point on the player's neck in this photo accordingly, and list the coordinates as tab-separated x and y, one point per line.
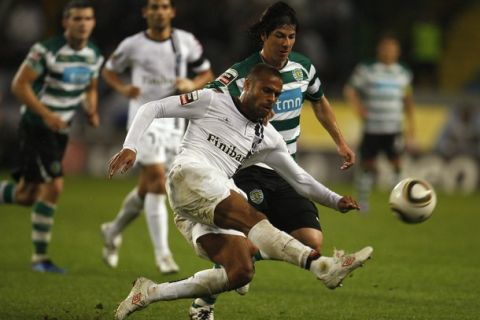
76	44
278	64
159	34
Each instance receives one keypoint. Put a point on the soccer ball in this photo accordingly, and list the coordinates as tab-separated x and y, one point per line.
413	200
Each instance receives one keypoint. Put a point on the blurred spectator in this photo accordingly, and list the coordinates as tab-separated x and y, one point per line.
461	133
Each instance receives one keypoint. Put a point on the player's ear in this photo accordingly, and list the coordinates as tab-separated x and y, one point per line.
263	36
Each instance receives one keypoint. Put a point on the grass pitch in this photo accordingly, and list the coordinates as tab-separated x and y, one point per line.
425	271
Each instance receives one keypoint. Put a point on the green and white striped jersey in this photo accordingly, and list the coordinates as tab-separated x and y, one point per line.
382	89
65	73
300	82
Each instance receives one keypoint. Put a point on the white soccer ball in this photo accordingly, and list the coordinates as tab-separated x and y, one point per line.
413	200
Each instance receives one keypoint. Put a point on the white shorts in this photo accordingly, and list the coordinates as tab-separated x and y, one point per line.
157	146
194	190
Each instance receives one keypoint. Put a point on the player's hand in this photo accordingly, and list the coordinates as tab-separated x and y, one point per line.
93	119
122	161
185	85
54	122
348	156
347	203
130	91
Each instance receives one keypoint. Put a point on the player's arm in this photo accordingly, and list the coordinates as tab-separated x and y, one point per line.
185	85
353	98
280	160
113	79
324	113
191	105
409	109
91	103
22	88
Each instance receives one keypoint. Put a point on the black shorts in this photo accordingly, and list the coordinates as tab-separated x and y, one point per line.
272	195
373	144
41	153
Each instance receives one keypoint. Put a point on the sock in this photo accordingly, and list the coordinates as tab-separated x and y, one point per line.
7	192
365	180
42	222
131	207
157	220
207	300
202	283
278	245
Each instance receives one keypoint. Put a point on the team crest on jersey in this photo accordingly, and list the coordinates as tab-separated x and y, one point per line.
228	76
256	196
297	74
187	98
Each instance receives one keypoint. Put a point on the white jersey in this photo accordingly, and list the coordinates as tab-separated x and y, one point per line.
155	67
383	89
222	137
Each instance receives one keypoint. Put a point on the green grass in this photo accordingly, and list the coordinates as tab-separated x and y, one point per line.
425	271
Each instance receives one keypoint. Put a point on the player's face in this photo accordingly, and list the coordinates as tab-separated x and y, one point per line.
261	94
79	24
388	51
278	45
159	14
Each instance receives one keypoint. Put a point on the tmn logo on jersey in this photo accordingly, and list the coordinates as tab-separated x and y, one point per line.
228	149
76	75
187	98
228	76
288	101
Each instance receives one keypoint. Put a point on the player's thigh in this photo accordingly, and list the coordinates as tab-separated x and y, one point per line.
41	154
195	189
394	147
369	149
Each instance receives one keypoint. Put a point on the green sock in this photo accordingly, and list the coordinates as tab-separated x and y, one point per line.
7	192
42	222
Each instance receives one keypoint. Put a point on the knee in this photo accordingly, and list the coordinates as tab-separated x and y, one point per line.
240	276
26	195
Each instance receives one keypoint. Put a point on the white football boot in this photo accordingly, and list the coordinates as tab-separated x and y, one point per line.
332	271
167	265
110	246
136	300
197	312
243	290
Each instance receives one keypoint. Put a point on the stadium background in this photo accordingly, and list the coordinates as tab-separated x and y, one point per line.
440	43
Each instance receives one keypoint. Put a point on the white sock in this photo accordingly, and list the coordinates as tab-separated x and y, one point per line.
131	207
157	220
203	283
365	180
278	245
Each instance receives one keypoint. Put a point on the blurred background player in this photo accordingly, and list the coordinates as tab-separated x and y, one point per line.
267	191
58	76
381	92
158	59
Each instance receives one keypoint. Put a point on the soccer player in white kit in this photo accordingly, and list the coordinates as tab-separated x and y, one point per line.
224	134
158	59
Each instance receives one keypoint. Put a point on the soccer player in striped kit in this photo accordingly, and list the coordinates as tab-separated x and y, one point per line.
57	78
380	91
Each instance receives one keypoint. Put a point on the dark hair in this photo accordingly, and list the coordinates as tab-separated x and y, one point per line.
263	68
388	35
145	3
74	4
277	15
